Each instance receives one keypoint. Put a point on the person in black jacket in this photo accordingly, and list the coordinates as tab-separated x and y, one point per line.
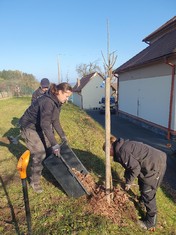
146	163
44	86
37	124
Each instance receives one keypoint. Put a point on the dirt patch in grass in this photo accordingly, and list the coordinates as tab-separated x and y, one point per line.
119	208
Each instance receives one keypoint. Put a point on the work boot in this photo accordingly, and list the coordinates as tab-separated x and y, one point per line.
149	223
36	187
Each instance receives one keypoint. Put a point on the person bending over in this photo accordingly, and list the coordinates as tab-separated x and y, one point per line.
146	163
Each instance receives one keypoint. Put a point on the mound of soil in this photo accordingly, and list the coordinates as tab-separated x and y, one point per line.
120	207
117	210
86	180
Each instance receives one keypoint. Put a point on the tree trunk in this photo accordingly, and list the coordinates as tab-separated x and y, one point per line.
107	138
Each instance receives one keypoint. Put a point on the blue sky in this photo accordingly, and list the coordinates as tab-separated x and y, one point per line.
36	33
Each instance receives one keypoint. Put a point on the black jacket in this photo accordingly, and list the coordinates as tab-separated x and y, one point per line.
139	160
43	115
37	93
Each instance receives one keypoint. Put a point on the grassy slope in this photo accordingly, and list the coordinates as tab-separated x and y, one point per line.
52	211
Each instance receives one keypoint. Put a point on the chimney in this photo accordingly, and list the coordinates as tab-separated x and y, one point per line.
78	82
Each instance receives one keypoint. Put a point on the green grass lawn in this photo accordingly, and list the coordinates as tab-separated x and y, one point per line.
53	212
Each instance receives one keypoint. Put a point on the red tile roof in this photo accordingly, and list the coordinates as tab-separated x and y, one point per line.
83	81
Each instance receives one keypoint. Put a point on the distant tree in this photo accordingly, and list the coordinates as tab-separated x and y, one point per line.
10	79
85	69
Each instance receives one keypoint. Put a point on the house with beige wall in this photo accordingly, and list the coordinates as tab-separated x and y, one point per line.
147	87
88	91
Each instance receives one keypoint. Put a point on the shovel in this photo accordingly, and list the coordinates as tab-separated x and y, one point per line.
21	167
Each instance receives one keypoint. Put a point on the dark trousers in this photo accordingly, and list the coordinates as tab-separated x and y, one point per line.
148	196
148	192
38	145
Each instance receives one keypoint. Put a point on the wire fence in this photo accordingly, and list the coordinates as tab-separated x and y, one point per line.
10	90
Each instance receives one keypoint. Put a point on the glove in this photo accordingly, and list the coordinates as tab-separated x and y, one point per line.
56	149
127	187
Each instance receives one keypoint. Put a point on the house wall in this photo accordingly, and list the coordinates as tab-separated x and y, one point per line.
92	93
145	93
76	97
173	126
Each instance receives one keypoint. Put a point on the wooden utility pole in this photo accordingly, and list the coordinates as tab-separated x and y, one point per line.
58	66
111	59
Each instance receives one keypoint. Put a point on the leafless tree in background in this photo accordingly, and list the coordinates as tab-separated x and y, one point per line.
85	69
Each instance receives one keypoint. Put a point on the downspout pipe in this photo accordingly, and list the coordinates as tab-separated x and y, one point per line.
79	93
117	76
171	99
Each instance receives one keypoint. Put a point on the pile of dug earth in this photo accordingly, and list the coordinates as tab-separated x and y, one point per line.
120	207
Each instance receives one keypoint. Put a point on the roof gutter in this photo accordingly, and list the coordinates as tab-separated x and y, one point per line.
117	76
171	98
148	62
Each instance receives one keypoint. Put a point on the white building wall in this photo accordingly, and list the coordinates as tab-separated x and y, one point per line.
147	98
92	93
173	123
77	99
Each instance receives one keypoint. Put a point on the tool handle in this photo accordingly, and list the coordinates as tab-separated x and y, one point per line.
27	208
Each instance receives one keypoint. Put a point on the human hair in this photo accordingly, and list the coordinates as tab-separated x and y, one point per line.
112	140
64	86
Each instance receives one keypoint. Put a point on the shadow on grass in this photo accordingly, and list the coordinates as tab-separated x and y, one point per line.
13	221
16	149
50	178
